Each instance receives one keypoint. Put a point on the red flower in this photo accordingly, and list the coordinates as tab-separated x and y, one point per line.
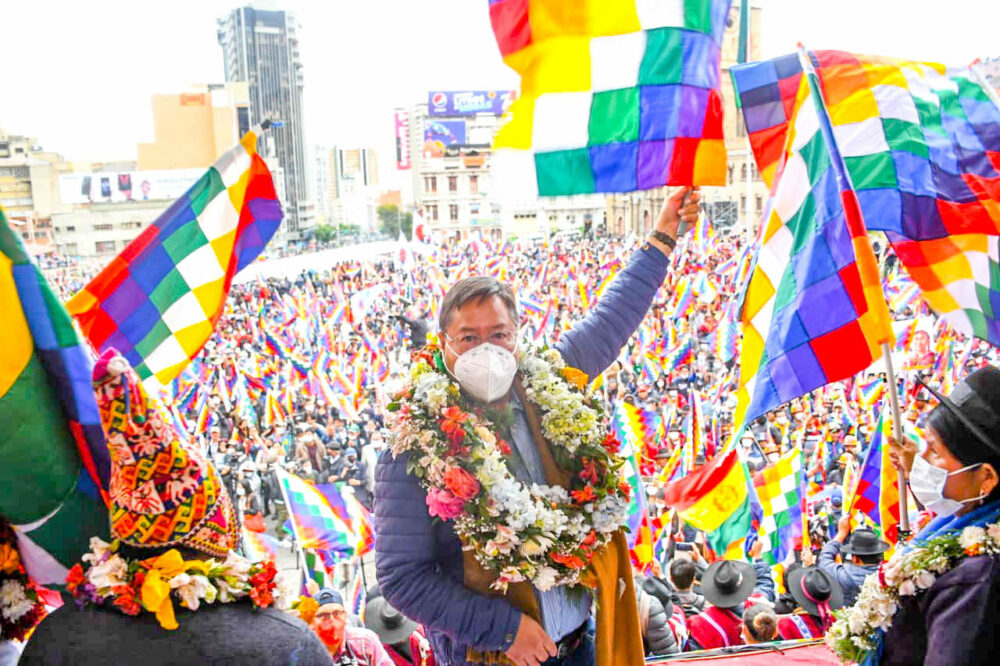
611	443
125	599
589	471
503	446
455	413
261	596
263	585
590	540
625	490
461	483
584	496
74	578
451	425
571	561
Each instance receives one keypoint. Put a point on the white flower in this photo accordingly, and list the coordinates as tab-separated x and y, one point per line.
11	594
192	589
536	545
98	548
924	580
907	588
856	621
994	532
109	573
971	536
236	565
545	578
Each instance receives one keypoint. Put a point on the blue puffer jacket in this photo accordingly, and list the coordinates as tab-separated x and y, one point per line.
419	560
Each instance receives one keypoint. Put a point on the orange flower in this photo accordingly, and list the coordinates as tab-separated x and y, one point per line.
577	378
584	496
74	578
571	561
973	550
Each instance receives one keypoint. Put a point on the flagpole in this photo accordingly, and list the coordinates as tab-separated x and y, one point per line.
295	528
897	433
837	161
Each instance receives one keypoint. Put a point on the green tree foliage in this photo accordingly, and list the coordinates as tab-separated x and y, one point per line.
390	219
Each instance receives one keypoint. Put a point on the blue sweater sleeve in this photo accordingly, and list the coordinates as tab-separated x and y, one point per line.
410	576
827	561
765	581
595	342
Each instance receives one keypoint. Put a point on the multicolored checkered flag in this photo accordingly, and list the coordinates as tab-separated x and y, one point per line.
159	300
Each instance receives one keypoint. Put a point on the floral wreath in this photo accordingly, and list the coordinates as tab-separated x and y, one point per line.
133	586
545	534
858	632
21	604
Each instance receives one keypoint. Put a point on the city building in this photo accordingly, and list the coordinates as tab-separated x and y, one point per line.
446	145
193	128
260	46
742	200
29	189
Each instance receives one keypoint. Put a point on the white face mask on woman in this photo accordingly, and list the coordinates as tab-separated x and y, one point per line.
927	482
486	371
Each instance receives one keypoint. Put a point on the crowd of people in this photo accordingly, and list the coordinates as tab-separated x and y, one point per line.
300	369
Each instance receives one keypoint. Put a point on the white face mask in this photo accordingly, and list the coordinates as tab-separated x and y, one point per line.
927	483
486	371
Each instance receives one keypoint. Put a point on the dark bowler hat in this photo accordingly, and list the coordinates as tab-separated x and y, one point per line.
864	541
976	403
728	582
811	586
391	626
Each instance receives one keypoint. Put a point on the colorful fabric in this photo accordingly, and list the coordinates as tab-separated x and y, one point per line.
922	145
714	499
813	311
780	490
315	523
163	491
877	491
615	96
158	301
55	463
259	547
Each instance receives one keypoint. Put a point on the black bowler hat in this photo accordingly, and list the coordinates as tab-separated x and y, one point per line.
976	403
864	541
728	582
391	626
819	585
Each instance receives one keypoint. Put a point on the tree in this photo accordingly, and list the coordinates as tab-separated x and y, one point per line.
390	219
324	233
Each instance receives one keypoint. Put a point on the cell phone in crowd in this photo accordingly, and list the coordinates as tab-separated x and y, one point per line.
685	546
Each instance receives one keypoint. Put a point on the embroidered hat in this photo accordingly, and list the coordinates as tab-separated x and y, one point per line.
163	491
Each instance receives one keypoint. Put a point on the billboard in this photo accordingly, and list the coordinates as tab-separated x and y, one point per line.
468	102
440	135
120	186
402	140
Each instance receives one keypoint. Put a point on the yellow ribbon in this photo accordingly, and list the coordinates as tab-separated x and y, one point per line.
156	587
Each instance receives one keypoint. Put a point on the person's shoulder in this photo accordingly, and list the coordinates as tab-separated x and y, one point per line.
361	634
980	569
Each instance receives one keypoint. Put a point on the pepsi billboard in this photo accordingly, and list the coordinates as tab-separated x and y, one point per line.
468	102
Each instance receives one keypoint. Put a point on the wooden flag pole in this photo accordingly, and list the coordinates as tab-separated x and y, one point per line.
897	433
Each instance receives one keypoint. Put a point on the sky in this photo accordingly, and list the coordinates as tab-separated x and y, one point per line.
79	76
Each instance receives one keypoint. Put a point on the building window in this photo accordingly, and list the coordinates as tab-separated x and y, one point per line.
432	212
453	183
760	204
70	228
474	209
103	227
731	168
474	184
70	249
743	172
131	225
645	221
430	184
453	212
743	203
104	247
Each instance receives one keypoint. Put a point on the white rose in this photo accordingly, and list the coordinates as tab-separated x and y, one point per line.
907	588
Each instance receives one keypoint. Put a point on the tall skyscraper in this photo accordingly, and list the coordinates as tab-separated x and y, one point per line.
261	46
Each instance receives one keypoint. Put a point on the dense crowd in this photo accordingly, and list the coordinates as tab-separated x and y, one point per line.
299	370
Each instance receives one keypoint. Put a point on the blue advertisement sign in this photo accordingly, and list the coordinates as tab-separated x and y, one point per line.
442	134
468	102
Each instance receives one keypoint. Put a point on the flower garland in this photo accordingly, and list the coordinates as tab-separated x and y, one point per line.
133	586
21	604
859	630
545	534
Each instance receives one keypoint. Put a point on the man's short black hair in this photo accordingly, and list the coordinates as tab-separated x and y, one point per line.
682	573
477	288
870	559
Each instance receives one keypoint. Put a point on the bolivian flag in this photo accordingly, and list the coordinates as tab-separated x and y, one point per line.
54	463
714	499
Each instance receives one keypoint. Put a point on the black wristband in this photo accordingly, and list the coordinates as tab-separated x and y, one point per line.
663	238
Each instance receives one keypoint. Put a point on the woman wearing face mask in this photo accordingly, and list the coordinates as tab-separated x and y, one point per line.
956	477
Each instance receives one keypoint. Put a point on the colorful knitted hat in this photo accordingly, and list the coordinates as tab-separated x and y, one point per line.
163	491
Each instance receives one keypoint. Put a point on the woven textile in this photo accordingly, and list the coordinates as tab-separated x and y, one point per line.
158	301
922	146
616	95
780	490
163	491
